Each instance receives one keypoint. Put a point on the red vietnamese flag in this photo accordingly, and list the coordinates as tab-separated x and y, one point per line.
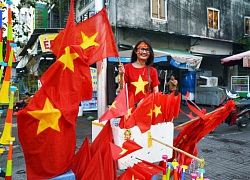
95	36
47	138
177	105
118	107
81	159
64	82
216	118
128	147
143	114
95	168
187	141
101	143
125	121
132	174
68	80
158	108
148	169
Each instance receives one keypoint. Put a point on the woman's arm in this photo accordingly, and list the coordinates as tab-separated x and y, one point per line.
121	73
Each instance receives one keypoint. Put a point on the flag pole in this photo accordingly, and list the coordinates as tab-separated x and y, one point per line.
197	118
101	75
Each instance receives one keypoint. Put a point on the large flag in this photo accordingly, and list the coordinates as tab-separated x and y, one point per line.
95	36
82	159
68	80
128	147
118	107
47	138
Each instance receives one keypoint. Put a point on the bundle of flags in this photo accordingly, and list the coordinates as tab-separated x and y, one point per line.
46	127
194	131
155	108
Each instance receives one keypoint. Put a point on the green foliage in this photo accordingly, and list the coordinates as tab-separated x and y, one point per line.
21	29
246	42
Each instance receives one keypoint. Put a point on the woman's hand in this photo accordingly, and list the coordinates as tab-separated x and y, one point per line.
121	69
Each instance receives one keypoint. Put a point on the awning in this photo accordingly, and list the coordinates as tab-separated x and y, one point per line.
125	57
178	59
229	60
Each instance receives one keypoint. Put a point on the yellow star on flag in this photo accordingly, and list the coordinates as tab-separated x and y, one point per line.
150	113
88	41
48	117
140	85
123	151
113	105
128	113
157	110
67	59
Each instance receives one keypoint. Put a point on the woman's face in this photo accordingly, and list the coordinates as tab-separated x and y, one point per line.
143	53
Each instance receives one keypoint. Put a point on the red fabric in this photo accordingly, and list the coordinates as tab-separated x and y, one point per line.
143	114
65	88
81	159
118	107
69	75
217	118
187	140
133	75
68	80
159	102
95	169
150	167
101	143
125	121
130	173
48	150
177	105
99	28
104	137
128	147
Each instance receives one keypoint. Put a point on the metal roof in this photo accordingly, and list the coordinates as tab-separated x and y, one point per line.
36	33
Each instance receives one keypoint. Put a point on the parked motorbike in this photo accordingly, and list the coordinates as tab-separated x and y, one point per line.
240	115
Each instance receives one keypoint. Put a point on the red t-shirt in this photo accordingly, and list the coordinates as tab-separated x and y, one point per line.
137	80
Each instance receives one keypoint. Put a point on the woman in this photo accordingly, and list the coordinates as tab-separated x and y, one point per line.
139	75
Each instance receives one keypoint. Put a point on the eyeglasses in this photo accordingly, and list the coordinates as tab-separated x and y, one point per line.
143	49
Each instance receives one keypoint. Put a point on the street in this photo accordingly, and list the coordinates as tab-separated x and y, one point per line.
226	150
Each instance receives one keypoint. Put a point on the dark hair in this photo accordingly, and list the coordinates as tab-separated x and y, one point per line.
27	93
150	59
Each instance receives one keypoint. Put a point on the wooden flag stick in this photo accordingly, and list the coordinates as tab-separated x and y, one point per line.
202	162
197	118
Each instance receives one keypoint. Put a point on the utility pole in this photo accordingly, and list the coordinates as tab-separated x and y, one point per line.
101	75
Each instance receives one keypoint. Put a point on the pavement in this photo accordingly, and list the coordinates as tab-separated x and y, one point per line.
226	150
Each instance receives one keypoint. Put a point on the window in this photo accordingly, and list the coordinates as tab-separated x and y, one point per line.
213	18
159	9
247	25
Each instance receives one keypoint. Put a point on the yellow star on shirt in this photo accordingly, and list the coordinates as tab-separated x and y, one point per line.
140	85
67	59
113	105
88	41
48	117
157	110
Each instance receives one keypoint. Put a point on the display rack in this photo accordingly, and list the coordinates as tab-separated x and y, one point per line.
240	83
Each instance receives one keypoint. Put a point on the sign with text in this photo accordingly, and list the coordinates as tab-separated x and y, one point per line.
45	41
41	15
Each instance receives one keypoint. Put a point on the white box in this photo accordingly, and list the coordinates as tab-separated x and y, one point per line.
163	132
